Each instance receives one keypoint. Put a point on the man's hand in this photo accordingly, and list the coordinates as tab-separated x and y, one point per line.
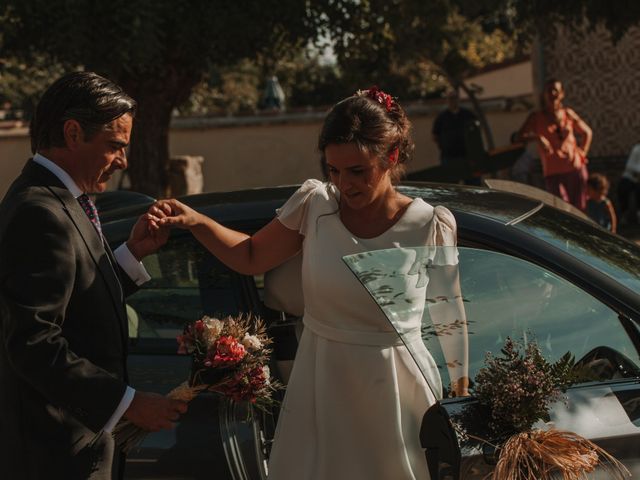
171	212
146	237
154	412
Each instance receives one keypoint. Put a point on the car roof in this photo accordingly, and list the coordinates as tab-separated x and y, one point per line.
505	221
499	206
256	203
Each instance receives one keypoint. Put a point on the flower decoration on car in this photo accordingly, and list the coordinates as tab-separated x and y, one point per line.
518	388
377	95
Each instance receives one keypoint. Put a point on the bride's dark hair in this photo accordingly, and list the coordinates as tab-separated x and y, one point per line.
375	126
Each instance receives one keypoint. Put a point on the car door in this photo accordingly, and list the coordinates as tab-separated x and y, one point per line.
215	439
504	296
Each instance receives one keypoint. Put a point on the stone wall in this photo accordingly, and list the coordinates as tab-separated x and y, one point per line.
272	150
602	84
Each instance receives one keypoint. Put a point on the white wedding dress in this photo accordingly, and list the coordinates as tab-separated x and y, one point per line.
355	399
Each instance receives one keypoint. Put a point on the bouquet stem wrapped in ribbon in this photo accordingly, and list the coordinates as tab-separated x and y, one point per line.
230	358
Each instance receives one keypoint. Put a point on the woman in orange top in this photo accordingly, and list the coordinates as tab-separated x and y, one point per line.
563	153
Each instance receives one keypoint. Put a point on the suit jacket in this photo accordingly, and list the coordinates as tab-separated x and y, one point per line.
63	335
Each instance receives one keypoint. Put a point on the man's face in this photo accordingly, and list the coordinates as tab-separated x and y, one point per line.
453	102
97	159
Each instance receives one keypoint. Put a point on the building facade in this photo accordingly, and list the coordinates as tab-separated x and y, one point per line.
602	84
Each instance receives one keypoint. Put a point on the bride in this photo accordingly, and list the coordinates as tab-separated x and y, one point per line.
355	399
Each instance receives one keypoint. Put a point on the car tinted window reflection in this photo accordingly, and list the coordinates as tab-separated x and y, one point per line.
509	297
608	253
504	296
186	283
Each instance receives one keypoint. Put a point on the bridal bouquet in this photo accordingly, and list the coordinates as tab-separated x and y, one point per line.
230	357
518	388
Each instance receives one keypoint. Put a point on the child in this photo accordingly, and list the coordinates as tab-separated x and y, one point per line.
599	207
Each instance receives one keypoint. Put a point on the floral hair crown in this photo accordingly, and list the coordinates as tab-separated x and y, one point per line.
374	93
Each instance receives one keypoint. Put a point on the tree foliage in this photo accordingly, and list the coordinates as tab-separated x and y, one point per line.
525	18
214	55
21	83
238	89
158	50
386	38
453	37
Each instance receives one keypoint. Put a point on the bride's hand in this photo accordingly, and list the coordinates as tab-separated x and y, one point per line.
172	213
460	388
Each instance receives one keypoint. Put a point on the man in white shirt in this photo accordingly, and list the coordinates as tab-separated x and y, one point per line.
63	335
629	188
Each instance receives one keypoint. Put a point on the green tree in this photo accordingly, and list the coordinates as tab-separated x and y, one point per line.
385	39
237	89
22	83
158	50
453	38
203	55
526	18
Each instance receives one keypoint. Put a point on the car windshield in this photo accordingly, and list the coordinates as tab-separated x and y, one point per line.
608	253
452	305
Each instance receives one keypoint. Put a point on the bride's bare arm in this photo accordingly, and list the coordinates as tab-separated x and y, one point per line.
249	255
450	321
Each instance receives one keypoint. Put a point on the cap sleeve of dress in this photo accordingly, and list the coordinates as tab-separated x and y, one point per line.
293	214
444	234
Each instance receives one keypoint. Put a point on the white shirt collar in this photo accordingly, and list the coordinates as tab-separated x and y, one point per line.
59	172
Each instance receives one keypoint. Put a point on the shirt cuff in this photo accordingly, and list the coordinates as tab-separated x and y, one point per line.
131	265
127	398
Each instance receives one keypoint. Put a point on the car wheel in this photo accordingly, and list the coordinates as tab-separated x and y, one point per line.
247	434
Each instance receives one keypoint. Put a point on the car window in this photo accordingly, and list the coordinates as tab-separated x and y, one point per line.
186	283
501	296
611	254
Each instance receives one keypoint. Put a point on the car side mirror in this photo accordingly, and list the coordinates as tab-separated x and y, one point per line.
440	442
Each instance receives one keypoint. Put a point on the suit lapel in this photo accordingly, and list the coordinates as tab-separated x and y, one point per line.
114	267
94	244
91	239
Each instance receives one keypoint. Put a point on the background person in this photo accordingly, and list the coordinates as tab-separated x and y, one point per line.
629	188
448	132
355	399
599	207
556	129
526	169
63	336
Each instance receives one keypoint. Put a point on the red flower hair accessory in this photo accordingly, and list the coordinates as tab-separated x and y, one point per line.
393	156
374	93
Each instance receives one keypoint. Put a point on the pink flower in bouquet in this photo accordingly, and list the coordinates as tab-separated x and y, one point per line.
199	326
186	342
229	357
226	352
248	385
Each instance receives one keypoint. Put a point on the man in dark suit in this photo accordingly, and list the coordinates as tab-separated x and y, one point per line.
448	132
63	326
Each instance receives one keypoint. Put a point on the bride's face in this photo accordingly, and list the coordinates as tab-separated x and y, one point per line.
359	176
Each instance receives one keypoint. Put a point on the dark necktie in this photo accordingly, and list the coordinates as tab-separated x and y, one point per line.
91	211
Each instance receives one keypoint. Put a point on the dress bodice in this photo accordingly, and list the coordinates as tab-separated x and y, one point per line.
333	295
